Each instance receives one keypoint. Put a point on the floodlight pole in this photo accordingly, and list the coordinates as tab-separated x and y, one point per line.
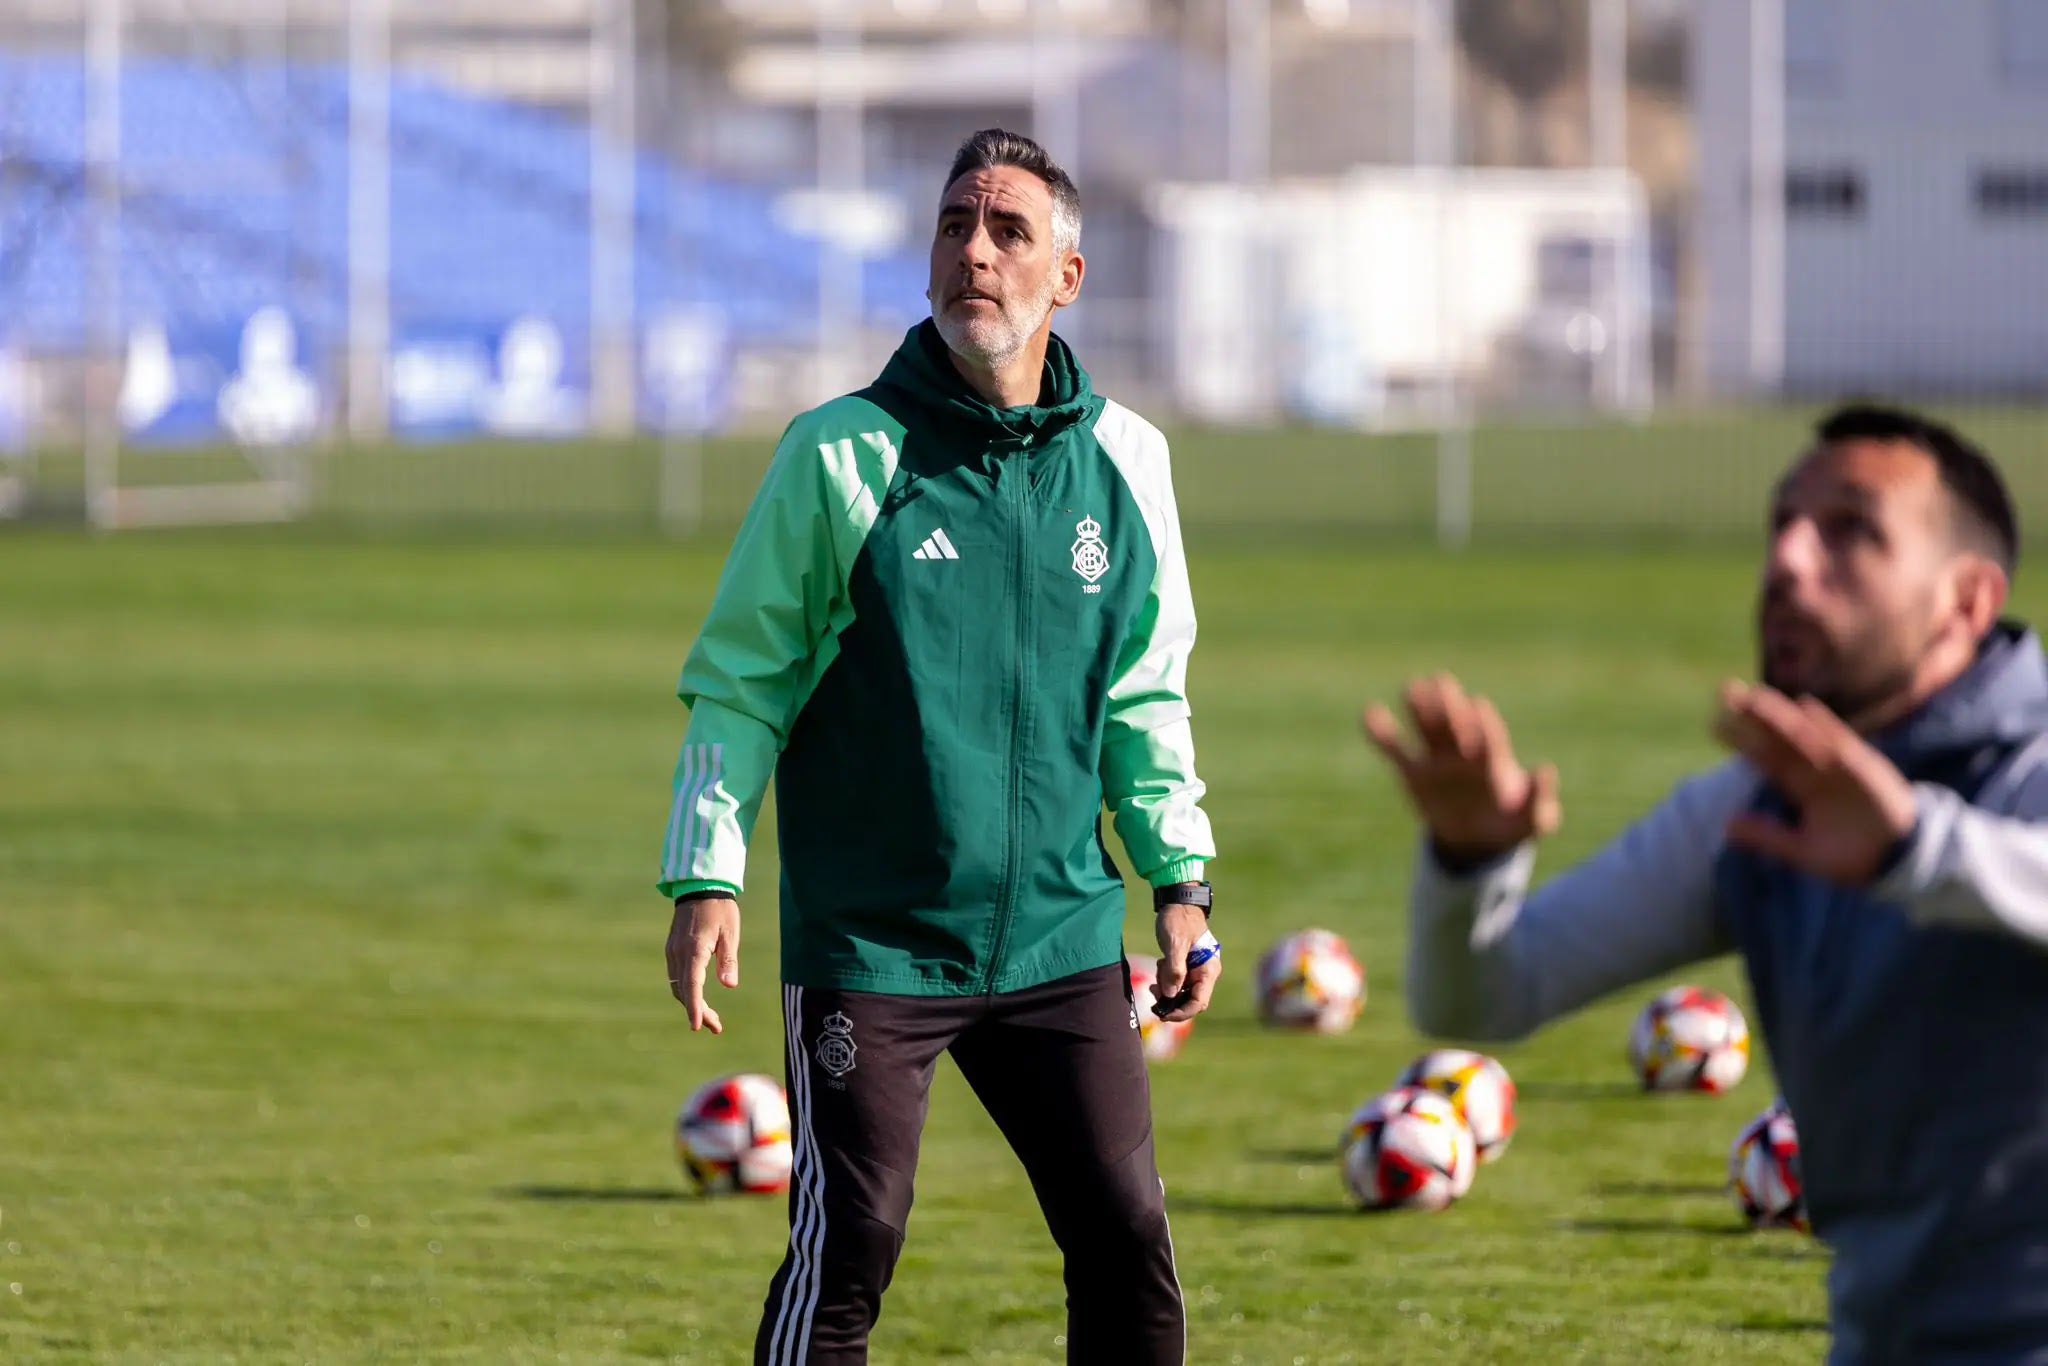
102	419
369	217
679	502
613	64
1248	75
1248	143
1607	77
1766	195
840	175
1055	87
1454	437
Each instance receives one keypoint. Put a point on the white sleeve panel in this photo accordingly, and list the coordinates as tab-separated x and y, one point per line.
1156	681
1484	963
1982	867
1148	748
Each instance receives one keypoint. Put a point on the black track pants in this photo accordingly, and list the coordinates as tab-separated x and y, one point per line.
1060	1070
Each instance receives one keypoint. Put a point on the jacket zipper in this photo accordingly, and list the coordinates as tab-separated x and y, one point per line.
1016	472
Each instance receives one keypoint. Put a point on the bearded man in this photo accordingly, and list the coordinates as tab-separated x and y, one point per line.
953	627
1877	853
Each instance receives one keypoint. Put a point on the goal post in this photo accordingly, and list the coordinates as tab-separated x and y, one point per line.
271	404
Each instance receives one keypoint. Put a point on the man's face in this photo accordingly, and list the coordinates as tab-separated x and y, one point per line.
1861	579
995	275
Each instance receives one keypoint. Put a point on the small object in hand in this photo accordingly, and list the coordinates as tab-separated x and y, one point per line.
1205	948
1161	1040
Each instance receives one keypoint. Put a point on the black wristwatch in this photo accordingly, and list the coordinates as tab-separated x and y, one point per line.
1184	894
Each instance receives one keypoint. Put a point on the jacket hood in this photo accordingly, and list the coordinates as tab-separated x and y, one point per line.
2002	697
923	370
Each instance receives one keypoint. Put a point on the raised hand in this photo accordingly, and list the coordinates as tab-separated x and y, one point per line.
1462	776
1853	805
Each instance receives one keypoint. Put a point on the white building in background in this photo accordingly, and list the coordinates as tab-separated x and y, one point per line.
1907	143
1393	296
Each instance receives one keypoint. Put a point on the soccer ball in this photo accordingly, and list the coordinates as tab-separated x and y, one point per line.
1407	1149
733	1135
1309	980
1478	1087
1162	1039
1763	1172
1689	1039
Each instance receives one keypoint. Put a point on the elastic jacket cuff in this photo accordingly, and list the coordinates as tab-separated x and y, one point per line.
1180	870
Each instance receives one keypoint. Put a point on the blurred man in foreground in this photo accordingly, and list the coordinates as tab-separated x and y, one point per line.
1875	852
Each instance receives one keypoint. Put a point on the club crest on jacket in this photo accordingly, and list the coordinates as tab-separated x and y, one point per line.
1091	555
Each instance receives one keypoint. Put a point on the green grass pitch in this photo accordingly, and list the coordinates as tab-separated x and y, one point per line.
336	1026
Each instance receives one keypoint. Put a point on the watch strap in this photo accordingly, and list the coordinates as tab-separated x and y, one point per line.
1197	894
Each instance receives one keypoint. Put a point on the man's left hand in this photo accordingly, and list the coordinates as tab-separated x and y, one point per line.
1177	928
1854	806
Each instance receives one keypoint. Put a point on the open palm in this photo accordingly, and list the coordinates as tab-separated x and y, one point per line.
1853	805
1462	775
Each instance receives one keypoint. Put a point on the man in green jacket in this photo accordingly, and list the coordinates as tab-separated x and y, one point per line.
955	623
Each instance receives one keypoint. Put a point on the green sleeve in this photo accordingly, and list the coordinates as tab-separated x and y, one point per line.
774	623
1148	745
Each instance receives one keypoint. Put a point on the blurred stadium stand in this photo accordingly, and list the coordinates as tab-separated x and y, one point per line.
488	215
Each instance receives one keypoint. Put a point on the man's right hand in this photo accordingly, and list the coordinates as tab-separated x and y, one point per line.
702	927
1477	800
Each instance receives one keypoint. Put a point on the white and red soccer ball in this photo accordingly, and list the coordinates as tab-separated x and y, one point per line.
1162	1039
1478	1088
1689	1039
1407	1149
1310	980
1763	1172
733	1136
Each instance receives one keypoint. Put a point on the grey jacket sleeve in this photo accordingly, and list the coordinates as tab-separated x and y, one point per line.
1484	963
1981	867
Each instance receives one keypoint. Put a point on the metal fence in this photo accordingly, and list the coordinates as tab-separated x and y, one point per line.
400	260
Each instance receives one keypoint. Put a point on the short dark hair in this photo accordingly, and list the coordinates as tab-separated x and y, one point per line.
1984	509
999	147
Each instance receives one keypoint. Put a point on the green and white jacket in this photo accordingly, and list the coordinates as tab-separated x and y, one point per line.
951	633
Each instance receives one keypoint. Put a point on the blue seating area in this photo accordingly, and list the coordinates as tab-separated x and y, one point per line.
236	197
